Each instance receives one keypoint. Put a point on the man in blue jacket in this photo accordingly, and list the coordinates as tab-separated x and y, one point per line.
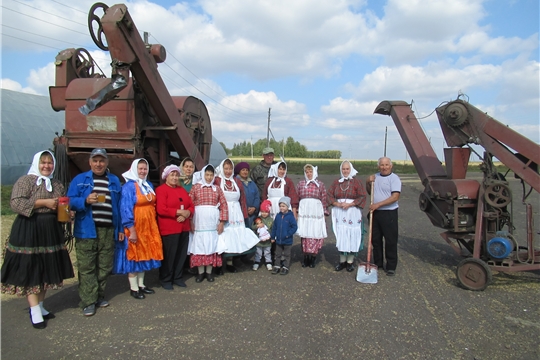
95	197
283	231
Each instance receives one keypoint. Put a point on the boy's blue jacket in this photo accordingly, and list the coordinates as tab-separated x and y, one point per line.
79	189
284	228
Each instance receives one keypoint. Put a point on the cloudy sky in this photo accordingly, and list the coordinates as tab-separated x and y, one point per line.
322	66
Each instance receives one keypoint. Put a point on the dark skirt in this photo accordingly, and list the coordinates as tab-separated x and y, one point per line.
36	257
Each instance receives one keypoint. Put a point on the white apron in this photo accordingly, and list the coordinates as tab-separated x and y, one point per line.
274	194
236	236
347	226
311	222
205	240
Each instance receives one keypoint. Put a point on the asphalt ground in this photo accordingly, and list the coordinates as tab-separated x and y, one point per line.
421	313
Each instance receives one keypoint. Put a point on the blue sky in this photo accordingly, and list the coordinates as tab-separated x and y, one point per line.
322	66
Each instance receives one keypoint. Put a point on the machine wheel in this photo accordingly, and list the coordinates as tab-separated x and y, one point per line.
93	17
83	63
498	195
473	274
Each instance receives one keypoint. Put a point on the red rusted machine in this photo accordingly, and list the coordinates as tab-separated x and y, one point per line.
477	216
130	116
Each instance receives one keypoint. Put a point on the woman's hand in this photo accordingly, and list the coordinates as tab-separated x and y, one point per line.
220	227
180	219
121	236
251	210
132	235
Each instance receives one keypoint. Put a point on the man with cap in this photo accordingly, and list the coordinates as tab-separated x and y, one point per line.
94	196
259	174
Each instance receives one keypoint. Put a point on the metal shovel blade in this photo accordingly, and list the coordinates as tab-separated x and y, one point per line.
367	273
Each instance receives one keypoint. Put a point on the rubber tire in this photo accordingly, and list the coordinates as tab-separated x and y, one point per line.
474	274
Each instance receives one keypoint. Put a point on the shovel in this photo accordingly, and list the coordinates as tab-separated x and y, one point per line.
367	273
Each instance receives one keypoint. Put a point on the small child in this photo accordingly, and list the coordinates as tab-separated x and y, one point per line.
263	225
284	228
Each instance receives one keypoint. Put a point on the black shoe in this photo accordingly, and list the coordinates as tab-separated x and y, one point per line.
276	270
306	261
49	316
388	273
210	277
312	262
218	270
146	290
39	325
350	267
180	283
231	269
167	286
199	278
340	266
284	271
137	294
193	271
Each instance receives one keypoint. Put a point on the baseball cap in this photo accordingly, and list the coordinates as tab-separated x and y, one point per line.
268	150
99	152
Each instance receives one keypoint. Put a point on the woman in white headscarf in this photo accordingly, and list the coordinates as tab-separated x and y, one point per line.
142	250
36	258
311	212
279	185
348	197
211	213
237	237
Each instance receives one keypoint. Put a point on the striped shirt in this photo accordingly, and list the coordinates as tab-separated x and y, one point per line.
102	212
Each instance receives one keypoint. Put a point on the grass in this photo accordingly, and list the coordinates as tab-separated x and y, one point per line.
5	209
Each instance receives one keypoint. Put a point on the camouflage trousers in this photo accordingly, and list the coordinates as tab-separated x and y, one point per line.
94	265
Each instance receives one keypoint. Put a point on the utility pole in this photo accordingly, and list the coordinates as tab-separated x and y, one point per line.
268	130
251	142
385	138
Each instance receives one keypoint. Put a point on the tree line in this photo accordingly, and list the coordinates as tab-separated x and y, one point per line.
288	148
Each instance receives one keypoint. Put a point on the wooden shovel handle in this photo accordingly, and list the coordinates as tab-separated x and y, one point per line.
370	223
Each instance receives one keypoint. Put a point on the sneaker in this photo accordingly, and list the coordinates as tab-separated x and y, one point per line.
89	310
284	271
102	303
275	270
255	267
269	267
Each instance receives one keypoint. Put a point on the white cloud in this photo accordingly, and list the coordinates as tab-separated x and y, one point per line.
15	86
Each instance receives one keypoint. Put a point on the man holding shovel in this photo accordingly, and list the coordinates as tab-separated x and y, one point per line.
387	189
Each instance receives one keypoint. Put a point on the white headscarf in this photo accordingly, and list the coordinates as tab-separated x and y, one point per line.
273	172
221	174
198	178
351	174
132	174
34	170
315	175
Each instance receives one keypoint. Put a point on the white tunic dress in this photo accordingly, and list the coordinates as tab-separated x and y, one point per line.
311	222
205	240
347	226
236	236
274	194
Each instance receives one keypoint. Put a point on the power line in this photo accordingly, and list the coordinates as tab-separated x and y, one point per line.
46	12
45	21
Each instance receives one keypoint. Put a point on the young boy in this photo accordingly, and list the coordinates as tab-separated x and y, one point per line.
282	234
263	225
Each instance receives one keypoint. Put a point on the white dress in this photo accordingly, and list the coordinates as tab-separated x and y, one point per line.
236	236
311	222
274	194
347	226
205	240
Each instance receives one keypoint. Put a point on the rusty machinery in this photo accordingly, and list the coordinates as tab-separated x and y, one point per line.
477	215
130	116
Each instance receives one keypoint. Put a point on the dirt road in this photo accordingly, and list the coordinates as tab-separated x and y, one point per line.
319	313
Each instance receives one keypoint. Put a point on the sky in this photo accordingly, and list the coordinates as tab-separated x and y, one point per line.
320	66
